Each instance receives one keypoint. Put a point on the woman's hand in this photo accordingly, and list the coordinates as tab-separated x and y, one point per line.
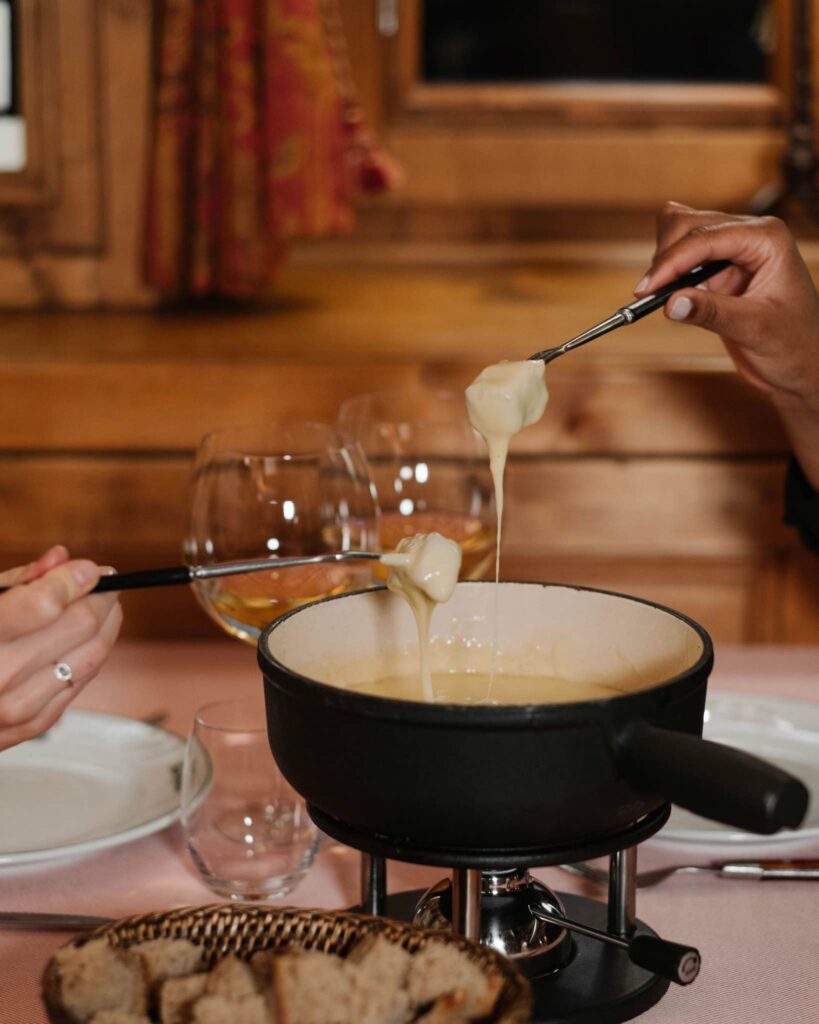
764	307
51	620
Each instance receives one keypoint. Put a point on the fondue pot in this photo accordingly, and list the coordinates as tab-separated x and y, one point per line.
519	777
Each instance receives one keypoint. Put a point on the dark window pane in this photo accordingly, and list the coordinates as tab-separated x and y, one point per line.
8	62
608	40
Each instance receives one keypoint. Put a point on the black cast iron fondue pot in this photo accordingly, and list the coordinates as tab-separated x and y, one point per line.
517	777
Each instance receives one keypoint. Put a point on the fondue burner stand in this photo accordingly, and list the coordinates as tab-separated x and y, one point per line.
587	962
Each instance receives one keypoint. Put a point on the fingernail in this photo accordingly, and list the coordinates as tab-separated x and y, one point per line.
641	287
680	308
107	570
84	572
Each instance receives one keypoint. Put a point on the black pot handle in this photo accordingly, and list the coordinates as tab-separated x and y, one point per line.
710	779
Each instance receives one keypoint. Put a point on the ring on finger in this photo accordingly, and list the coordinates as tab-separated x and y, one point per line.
62	672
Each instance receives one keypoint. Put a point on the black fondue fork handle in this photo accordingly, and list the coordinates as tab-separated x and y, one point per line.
678	963
168	577
641	307
173	575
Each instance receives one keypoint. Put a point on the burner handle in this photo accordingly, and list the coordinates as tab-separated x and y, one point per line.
680	964
671	960
713	780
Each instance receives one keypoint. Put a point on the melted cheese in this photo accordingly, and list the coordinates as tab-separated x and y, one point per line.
424	569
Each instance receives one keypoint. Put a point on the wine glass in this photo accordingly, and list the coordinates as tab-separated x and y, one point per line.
278	490
429	468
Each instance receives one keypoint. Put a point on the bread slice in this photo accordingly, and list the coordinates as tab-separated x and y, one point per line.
176	996
232	979
169	958
379	970
221	1010
440	969
378	956
448	1009
375	1002
97	976
312	988
119	1017
261	964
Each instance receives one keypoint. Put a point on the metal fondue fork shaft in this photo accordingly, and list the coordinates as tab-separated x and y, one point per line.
635	310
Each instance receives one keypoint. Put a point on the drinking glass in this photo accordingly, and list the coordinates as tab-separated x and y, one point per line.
250	836
278	490
430	470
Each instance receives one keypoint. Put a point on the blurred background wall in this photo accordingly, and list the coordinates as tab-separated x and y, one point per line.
536	142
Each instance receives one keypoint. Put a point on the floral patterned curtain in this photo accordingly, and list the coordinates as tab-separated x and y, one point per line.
258	140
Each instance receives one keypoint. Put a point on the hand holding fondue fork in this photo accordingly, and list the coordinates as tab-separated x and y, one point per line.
634	311
765	309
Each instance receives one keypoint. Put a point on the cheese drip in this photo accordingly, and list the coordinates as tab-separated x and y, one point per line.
424	569
500	402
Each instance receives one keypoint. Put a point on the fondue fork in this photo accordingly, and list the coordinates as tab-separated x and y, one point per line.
635	310
759	870
178	574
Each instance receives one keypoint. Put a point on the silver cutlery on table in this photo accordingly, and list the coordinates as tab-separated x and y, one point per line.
36	921
761	870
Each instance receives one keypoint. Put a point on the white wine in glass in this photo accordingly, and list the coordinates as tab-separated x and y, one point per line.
278	491
429	468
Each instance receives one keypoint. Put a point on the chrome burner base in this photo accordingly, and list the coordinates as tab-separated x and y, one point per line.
599	986
506	920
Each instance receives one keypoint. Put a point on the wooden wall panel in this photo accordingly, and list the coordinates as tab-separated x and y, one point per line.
591	507
585	168
107	507
698	535
172	405
125	59
445	314
800	605
731	598
660	507
76	223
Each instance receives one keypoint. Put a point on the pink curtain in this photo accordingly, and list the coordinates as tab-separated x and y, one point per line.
258	140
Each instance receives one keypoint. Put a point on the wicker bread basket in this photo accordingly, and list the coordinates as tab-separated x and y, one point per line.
225	928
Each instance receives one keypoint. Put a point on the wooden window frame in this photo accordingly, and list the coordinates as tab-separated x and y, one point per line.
36	184
448	135
578	103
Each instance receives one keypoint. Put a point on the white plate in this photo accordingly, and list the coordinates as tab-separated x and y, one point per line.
784	732
91	782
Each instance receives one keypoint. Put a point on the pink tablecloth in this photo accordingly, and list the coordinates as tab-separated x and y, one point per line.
760	941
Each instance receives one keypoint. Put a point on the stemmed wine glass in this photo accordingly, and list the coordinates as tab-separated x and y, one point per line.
429	468
278	490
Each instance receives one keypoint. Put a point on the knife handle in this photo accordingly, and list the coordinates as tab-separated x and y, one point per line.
769	869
